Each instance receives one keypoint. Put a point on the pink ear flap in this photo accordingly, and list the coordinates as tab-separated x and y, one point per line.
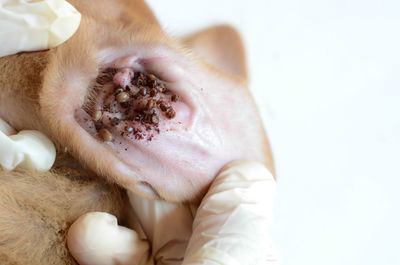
222	47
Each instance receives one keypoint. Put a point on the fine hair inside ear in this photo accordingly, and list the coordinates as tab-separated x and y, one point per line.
222	47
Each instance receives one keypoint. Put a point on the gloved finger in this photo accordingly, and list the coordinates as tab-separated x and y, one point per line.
35	25
167	226
27	149
96	239
232	223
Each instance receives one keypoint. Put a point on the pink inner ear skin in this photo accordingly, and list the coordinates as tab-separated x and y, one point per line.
215	122
178	155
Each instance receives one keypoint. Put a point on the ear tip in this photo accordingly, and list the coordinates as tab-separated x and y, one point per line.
222	46
227	29
222	31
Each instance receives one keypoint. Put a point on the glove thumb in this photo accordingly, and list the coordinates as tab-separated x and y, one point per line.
232	223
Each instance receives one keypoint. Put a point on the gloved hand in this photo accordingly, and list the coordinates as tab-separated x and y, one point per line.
35	25
31	26
28	149
231	226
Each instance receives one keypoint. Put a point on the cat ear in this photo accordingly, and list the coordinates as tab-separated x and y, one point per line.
137	10
221	46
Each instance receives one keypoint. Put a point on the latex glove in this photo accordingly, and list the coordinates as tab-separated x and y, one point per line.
35	25
28	149
231	226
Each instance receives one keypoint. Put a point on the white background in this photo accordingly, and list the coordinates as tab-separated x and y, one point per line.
326	76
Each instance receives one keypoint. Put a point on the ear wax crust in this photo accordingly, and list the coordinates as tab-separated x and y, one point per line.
130	99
